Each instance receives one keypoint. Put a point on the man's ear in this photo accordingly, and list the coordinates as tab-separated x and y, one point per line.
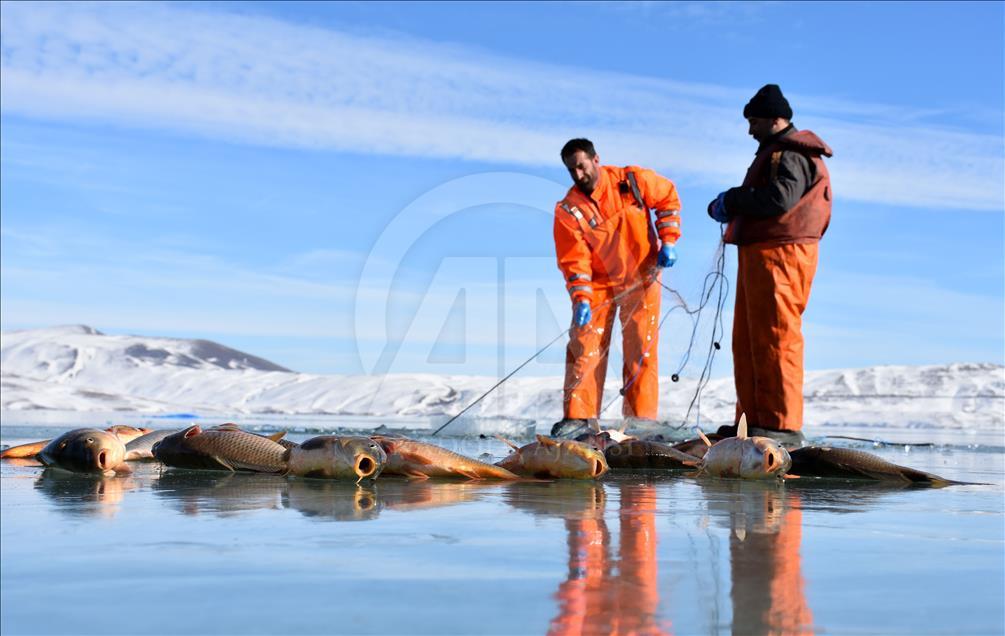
596	160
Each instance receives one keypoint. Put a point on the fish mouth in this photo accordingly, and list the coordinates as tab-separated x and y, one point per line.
773	462
103	459
597	469
365	466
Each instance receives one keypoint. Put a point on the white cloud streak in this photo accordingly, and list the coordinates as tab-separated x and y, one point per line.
262	81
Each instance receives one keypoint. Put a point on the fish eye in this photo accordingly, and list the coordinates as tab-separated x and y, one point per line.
90	440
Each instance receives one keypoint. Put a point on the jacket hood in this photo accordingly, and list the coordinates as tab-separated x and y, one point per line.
806	141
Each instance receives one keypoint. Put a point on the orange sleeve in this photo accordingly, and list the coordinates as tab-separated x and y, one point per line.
573	255
660	194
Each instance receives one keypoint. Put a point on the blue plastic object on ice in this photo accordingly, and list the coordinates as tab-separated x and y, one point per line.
581	314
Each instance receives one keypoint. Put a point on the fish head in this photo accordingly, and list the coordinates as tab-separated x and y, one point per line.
604	439
368	456
175	444
764	457
579	459
338	456
87	450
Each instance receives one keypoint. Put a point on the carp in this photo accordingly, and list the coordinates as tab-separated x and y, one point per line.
602	440
550	458
86	450
637	453
697	446
846	463
334	457
229	449
25	451
410	458
745	457
126	433
142	448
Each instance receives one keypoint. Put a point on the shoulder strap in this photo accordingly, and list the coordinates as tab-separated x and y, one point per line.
776	158
634	184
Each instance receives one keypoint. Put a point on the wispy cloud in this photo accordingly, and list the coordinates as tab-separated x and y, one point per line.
262	81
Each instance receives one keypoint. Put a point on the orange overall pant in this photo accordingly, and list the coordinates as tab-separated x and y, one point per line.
773	287
586	355
769	593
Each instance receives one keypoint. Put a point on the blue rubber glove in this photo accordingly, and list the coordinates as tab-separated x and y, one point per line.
581	313
717	208
667	256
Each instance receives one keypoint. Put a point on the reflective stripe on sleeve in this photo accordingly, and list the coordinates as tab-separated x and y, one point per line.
663	224
586	289
574	211
576	277
662	214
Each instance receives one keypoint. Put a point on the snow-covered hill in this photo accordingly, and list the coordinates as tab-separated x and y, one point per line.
80	369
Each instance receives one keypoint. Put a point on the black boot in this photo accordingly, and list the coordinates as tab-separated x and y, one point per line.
788	439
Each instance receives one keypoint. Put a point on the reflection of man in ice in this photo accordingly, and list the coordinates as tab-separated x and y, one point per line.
619	593
605	594
765	524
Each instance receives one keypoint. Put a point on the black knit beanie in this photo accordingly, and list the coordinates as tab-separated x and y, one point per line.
768	103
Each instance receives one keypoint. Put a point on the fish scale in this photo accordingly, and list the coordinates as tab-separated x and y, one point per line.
221	450
241	449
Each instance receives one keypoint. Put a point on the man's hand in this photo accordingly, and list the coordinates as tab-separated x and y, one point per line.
717	208
581	313
667	256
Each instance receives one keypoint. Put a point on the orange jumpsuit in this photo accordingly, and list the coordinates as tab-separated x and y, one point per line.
606	246
777	255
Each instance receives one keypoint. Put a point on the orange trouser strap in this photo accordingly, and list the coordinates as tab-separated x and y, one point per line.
773	287
586	356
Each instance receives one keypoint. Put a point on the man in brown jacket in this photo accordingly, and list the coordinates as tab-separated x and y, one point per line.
776	218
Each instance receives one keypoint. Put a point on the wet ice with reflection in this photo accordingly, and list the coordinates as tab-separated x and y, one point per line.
636	553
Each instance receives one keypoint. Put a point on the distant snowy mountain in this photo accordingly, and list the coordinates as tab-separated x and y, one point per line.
80	369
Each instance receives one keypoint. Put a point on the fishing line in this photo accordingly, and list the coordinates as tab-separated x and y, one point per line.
528	361
716	279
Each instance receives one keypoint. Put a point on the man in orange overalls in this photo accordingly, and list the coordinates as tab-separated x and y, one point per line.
776	219
609	254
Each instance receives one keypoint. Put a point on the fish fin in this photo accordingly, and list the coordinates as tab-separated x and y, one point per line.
24	450
275	437
546	441
415	474
790	476
469	474
507	442
704	438
222	462
741	426
123	469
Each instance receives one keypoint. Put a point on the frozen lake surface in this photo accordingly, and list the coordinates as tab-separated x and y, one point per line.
191	552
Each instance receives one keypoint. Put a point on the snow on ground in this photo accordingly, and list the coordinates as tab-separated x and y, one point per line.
80	369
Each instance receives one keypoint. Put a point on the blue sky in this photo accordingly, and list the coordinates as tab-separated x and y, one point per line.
361	187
